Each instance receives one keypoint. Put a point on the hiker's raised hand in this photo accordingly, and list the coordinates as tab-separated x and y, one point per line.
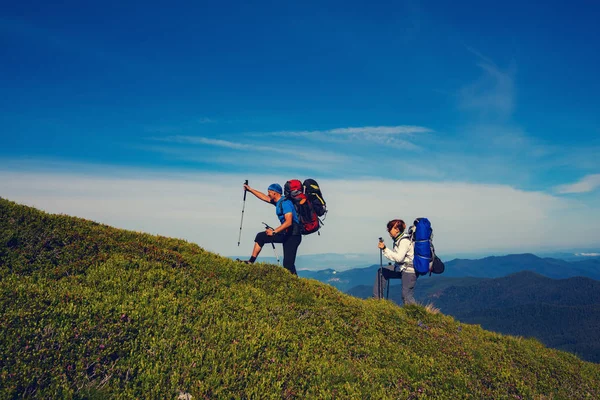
269	231
381	245
246	187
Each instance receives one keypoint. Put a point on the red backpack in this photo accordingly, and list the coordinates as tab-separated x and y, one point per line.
309	221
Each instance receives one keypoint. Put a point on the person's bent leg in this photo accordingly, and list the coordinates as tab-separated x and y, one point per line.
290	249
259	242
379	285
408	287
381	281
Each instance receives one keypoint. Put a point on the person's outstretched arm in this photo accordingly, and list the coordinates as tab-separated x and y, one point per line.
262	196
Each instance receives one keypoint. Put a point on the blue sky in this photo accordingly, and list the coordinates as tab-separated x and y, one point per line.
433	97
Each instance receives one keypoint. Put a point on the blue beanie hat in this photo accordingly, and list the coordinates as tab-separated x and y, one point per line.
276	187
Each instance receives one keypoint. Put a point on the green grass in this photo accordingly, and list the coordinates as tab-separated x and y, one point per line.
90	311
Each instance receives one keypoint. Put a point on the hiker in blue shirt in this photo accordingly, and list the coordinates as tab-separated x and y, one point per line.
288	233
402	255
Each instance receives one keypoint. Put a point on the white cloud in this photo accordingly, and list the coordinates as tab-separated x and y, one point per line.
588	184
206	209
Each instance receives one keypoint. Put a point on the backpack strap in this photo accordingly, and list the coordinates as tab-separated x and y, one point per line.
295	228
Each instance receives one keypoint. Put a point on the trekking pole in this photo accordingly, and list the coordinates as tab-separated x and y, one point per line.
243	206
387	293
380	275
272	243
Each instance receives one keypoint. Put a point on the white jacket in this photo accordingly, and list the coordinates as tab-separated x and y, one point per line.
402	254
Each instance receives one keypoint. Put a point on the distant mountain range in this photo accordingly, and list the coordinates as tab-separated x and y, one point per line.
495	267
563	313
488	267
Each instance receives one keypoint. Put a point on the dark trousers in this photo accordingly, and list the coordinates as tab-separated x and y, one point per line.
408	283
290	247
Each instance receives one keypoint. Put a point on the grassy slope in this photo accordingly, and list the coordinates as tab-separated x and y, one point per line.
87	310
563	314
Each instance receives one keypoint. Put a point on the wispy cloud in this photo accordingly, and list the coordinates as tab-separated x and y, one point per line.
493	93
347	151
381	135
588	184
291	152
200	140
390	142
378	135
363	130
499	145
500	148
379	130
509	138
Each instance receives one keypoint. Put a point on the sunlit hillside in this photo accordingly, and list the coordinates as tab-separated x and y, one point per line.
90	311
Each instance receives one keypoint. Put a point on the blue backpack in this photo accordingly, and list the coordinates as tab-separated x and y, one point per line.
425	260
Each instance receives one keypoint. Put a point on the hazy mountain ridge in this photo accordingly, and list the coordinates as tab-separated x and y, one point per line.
498	266
523	288
488	267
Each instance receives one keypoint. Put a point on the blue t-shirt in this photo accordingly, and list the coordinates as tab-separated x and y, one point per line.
284	206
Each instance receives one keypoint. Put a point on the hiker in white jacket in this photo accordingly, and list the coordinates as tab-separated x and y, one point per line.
402	255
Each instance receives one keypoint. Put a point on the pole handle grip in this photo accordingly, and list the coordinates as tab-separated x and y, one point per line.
245	191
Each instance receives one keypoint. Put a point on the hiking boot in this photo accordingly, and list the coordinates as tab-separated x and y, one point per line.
243	261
